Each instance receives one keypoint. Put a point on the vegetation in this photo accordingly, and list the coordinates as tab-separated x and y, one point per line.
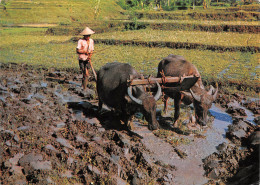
34	46
202	22
180	4
31	46
210	38
171	137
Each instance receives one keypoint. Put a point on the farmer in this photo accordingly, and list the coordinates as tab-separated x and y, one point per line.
85	50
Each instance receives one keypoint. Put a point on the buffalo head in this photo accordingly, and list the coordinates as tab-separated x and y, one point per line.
202	102
148	106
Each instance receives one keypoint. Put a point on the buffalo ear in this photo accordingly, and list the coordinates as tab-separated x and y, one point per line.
213	92
188	94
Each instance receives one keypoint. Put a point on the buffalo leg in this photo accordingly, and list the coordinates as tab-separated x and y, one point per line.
126	117
165	101
177	103
129	125
100	103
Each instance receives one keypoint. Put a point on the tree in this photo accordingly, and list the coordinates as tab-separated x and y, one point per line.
206	4
97	8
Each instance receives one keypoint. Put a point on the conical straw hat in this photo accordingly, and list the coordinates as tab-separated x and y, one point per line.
87	31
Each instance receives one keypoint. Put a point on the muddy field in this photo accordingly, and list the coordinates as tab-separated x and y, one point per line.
51	133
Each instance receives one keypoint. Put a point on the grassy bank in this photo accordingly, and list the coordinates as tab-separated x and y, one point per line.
209	26
178	45
202	22
176	25
208	14
225	39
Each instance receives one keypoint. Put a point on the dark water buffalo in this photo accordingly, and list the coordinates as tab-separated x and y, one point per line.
113	91
177	66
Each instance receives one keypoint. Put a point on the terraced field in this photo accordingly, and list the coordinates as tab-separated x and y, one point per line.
221	40
63	12
219	53
51	131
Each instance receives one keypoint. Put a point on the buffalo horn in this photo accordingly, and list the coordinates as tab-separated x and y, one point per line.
159	92
211	90
215	94
195	96
129	91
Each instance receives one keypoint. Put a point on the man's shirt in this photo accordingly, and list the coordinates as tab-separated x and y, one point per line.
86	45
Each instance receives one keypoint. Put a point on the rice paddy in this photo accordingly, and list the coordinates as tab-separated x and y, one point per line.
32	46
209	38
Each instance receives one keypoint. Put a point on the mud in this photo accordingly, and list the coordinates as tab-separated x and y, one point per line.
236	161
51	133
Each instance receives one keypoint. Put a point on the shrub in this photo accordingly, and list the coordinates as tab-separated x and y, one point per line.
135	4
123	4
220	4
183	4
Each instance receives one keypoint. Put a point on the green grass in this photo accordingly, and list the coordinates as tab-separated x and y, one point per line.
209	38
171	137
33	46
30	46
60	12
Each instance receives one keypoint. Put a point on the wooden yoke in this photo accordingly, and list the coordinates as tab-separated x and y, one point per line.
163	80
183	83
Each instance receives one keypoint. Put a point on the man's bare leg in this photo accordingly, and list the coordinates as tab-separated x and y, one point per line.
85	79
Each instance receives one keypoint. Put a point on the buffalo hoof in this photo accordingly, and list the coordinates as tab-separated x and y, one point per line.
130	125
193	126
153	127
203	124
175	124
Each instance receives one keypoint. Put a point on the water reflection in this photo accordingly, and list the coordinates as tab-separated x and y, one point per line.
220	115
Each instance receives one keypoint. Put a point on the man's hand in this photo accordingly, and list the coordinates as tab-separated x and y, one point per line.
89	55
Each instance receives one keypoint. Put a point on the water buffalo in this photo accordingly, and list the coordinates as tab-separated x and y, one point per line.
113	91
176	66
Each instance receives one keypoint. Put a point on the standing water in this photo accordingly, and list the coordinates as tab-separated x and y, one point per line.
189	170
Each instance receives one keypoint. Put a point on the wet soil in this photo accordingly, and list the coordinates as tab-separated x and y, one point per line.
51	133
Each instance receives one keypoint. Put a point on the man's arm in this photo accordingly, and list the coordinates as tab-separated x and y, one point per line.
81	51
